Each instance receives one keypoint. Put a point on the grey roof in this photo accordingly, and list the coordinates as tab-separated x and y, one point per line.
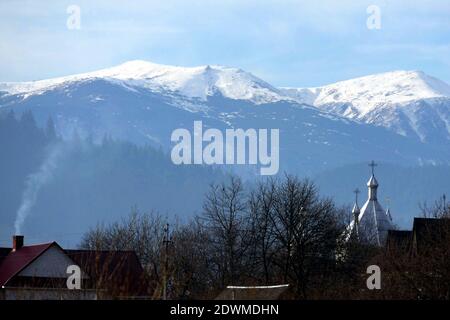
373	221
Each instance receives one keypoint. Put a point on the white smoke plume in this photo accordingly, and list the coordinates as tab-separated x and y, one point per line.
35	182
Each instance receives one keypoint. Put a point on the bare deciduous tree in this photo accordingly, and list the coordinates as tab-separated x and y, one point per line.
224	218
261	205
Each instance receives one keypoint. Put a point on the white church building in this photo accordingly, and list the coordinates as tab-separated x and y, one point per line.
371	223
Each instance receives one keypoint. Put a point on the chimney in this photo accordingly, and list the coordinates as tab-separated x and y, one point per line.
17	242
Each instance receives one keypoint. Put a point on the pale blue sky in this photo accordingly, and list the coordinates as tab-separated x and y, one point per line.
288	43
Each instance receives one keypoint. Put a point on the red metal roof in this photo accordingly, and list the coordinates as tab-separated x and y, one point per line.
17	260
118	272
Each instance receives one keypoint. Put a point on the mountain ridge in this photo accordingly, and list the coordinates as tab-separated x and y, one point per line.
192	82
406	102
144	102
410	85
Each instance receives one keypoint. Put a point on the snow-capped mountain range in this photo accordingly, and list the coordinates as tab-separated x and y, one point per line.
408	102
194	82
346	122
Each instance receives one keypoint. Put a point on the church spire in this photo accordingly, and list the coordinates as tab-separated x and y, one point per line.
388	210
355	212
371	223
372	184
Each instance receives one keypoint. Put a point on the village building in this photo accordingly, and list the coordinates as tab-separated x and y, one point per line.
429	236
34	272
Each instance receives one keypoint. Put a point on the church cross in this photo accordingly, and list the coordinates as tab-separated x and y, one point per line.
373	165
356	191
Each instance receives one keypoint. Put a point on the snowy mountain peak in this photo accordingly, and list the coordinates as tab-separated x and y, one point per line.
369	92
192	82
407	102
392	87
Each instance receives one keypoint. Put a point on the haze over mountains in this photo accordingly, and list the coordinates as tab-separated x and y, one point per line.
400	118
